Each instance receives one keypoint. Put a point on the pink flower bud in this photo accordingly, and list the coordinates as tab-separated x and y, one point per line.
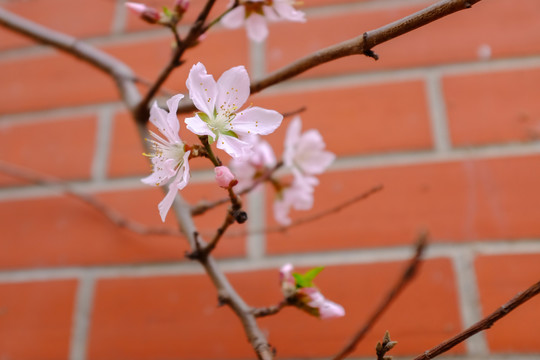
224	177
287	281
181	6
147	13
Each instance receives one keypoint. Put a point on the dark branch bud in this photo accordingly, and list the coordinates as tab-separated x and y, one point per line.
240	216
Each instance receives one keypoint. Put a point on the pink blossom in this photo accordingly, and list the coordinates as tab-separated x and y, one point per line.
304	153
181	6
169	158
314	302
247	168
254	14
219	103
299	195
224	176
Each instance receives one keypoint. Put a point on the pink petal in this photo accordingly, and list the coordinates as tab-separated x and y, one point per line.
137	8
329	309
199	127
256	27
291	140
233	89
183	174
233	146
256	120
288	12
203	89
234	18
224	176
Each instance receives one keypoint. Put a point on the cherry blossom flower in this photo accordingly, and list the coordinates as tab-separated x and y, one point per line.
305	295
304	153
224	176
169	156
299	195
219	103
254	14
248	168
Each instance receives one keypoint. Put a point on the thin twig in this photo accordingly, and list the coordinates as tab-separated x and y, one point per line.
204	206
483	324
196	30
403	281
360	45
115	217
270	310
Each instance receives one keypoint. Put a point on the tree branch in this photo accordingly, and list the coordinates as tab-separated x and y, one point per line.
404	280
483	324
360	45
120	72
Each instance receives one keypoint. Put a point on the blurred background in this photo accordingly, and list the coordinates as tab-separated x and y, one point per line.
447	120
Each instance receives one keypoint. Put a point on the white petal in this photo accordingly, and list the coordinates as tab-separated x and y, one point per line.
256	27
199	127
256	120
202	89
234	18
233	89
161	172
165	204
291	140
233	146
270	14
281	212
172	118
183	174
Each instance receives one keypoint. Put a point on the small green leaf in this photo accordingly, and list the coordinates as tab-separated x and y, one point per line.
167	12
306	280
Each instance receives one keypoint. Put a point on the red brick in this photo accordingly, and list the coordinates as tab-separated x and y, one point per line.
60	15
177	317
59	80
51	81
470	200
62	147
36	319
500	278
66	232
370	123
494	107
231	46
455	38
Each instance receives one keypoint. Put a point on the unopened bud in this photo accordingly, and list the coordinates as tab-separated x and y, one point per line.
386	338
390	345
147	13
224	177
378	347
181	6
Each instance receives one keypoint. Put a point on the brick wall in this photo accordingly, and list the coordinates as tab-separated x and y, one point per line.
448	120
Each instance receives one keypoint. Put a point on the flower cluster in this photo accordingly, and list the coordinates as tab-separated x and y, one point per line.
299	291
219	118
304	155
255	14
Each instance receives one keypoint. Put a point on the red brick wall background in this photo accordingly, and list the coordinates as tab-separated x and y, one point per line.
448	120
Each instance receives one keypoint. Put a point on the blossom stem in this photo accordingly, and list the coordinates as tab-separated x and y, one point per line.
213	158
270	310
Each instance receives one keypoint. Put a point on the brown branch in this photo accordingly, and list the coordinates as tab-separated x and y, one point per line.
360	45
270	310
119	71
110	214
404	280
483	324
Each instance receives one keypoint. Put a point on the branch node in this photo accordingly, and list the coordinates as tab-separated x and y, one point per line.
366	49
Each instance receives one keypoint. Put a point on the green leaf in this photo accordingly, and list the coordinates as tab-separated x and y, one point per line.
306	280
167	12
230	133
